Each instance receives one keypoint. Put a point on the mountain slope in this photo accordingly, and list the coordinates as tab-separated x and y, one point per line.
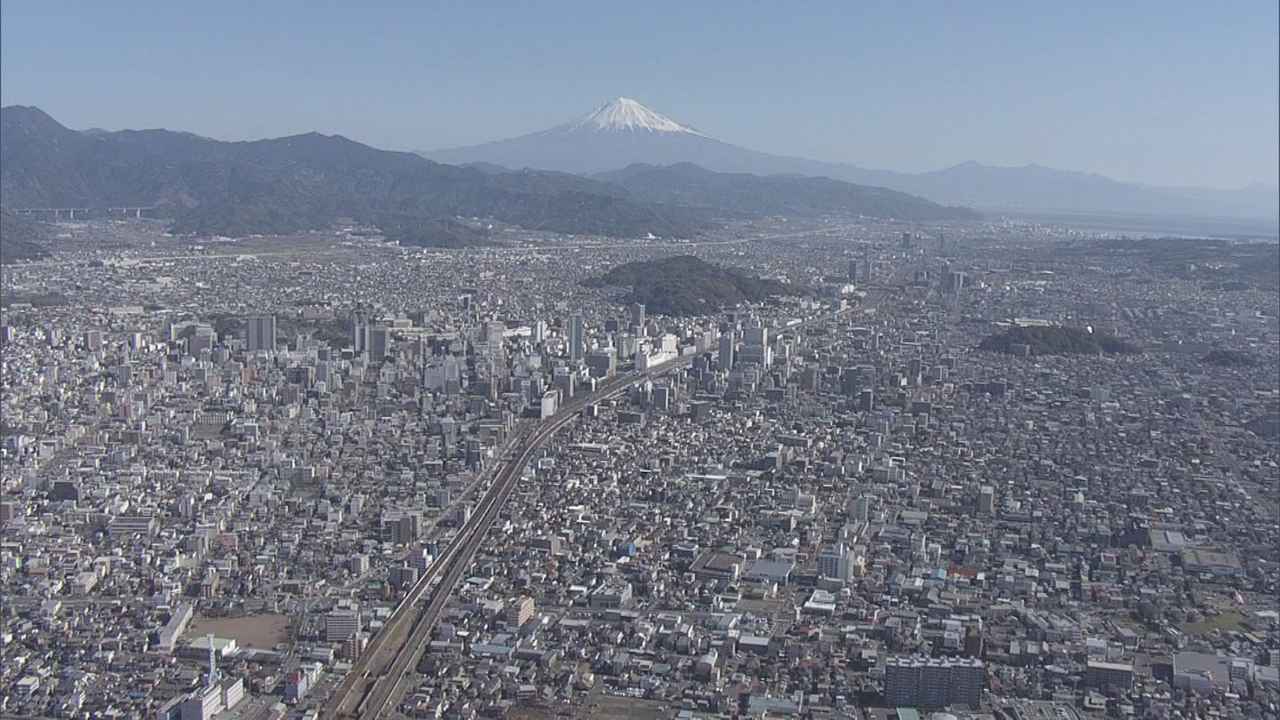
296	183
688	184
623	133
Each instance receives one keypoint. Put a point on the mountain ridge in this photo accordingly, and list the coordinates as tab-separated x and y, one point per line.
1030	187
308	180
298	182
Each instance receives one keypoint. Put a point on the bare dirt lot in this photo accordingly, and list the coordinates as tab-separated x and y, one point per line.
261	632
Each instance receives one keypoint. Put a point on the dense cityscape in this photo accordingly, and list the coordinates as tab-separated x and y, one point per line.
980	469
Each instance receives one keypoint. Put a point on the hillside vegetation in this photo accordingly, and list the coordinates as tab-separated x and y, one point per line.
684	285
1056	341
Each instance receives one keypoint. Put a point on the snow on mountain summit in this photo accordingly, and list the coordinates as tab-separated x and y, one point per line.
627	114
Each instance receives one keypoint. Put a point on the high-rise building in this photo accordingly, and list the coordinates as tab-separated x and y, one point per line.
726	350
379	343
755	345
577	338
359	333
836	562
637	315
495	340
261	333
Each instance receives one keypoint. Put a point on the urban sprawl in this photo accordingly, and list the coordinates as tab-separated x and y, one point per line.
325	476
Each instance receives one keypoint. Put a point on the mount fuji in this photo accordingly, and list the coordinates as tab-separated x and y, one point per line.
618	133
624	132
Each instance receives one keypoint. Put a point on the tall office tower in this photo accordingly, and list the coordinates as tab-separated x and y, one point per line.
494	338
906	240
955	281
577	338
379	343
93	340
261	333
538	332
755	345
359	333
637	315
853	271
726	350
868	269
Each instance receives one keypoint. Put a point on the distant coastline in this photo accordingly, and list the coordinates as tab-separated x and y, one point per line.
1235	229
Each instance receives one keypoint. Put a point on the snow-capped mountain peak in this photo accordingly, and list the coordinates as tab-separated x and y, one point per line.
627	114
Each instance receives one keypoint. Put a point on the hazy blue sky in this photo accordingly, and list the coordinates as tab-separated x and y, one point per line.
1173	92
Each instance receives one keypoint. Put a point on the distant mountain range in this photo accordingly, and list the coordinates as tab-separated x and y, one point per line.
690	185
624	132
295	183
308	181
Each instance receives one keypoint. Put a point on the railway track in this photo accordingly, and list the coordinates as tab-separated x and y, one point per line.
375	684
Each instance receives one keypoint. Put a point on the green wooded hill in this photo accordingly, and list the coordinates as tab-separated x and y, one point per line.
684	285
1056	341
